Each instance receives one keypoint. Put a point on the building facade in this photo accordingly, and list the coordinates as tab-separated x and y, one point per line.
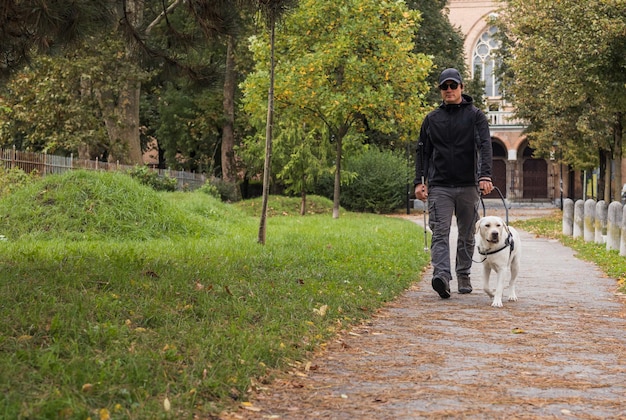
518	174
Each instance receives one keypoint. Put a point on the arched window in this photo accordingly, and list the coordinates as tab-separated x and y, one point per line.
484	61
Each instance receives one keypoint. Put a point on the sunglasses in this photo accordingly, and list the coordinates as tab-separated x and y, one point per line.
445	86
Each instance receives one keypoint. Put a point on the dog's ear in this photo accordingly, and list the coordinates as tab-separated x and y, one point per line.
477	226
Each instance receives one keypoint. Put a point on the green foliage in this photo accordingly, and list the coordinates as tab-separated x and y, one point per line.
300	156
13	179
564	71
443	42
152	178
340	62
218	188
32	25
189	126
210	189
46	109
229	191
87	205
110	328
341	68
380	182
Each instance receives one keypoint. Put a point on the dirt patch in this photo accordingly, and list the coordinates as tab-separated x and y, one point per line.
556	353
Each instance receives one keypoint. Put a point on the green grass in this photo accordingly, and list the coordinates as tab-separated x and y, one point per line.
610	262
114	297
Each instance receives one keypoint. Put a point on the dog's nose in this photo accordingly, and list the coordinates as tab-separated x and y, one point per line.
494	236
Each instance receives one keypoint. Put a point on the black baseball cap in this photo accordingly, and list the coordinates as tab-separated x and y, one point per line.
450	74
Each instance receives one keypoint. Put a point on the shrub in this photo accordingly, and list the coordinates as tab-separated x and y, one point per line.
152	179
210	189
12	179
380	184
225	191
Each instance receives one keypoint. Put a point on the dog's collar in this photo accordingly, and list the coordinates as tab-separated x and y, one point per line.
508	242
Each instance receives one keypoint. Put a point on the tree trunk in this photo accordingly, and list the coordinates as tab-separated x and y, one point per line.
122	113
302	201
122	124
618	132
604	173
268	138
337	189
229	168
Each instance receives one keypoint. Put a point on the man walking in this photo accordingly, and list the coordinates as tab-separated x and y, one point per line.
454	159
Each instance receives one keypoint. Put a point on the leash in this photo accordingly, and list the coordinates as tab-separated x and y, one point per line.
509	242
506	209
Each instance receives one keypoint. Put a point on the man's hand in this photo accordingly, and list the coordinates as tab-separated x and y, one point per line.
485	187
421	192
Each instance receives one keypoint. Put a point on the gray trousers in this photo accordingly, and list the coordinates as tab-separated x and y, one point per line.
443	203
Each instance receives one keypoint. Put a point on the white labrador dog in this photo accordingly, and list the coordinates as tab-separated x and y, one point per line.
500	247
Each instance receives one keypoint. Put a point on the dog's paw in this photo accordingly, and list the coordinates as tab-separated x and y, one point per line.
513	298
497	303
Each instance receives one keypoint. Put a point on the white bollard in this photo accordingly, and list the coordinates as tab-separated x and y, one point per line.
622	244
613	226
589	220
579	214
600	227
568	217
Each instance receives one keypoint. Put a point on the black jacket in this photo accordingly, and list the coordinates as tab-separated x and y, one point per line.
454	147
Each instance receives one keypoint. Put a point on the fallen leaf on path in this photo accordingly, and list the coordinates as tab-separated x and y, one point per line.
248	406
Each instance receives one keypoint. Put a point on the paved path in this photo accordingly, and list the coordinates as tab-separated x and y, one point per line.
557	353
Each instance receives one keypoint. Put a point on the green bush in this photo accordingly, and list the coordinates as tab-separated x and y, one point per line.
380	184
225	191
210	189
12	179
228	191
152	179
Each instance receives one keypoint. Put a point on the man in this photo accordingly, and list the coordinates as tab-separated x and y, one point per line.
453	163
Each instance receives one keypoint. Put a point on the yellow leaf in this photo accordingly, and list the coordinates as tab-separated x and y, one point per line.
248	406
104	414
166	404
518	331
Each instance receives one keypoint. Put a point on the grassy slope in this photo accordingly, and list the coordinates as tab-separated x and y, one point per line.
114	297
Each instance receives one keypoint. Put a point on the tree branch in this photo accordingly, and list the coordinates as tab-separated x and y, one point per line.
164	14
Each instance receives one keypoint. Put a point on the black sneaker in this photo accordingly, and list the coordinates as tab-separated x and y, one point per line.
441	286
465	286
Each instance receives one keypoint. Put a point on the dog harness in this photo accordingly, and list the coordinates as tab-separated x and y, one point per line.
508	242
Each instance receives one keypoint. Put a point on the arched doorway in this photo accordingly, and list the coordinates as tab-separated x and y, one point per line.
535	175
498	169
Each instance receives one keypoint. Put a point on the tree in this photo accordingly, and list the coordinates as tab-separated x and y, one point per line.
301	155
28	26
272	10
341	66
564	67
155	38
439	39
46	109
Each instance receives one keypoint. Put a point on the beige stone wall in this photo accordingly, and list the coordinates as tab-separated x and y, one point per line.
471	16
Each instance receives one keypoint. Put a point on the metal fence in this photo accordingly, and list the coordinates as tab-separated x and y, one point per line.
45	164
